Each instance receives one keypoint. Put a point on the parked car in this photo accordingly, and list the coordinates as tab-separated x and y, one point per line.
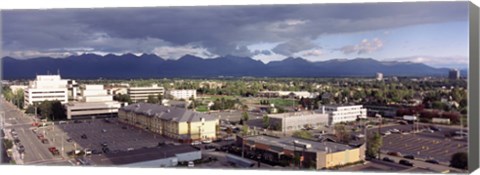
432	161
394	153
45	141
435	128
84	136
124	127
207	141
409	157
69	140
104	144
191	164
196	143
104	130
77	121
395	130
88	151
54	151
405	162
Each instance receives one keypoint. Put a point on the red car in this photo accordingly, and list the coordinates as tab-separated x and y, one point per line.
54	151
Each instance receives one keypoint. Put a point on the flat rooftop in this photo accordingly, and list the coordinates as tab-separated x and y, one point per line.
296	114
287	143
141	155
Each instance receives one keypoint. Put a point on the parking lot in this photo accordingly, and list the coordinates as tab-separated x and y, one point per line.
115	135
423	144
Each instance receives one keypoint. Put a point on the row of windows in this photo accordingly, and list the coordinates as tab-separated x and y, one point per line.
47	92
50	96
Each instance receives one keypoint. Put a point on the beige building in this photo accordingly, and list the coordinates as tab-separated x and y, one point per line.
92	101
140	94
177	123
318	155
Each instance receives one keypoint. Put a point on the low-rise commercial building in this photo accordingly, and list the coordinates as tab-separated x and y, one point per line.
343	113
140	94
292	94
384	111
294	121
177	123
318	155
92	101
182	94
164	156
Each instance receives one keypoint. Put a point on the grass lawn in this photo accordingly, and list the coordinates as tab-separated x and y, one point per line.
282	102
202	108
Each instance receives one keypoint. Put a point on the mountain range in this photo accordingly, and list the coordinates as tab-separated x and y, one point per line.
92	66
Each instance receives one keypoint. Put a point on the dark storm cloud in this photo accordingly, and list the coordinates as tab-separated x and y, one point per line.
293	46
220	30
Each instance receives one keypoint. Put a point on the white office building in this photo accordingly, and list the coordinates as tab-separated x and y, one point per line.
343	113
182	94
92	101
46	87
379	76
294	121
140	94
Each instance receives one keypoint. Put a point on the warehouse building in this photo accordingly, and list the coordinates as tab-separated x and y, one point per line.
318	155
176	123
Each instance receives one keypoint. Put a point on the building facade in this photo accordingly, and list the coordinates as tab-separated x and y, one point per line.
140	94
176	123
294	121
454	74
92	101
379	76
182	94
318	155
46	88
343	113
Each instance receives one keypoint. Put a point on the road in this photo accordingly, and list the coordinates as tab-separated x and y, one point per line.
35	151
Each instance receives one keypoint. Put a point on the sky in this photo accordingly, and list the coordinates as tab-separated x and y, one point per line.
433	33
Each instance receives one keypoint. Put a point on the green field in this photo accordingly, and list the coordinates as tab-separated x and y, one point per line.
281	102
202	108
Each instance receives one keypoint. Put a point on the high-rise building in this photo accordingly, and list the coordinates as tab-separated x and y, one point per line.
46	88
454	74
140	94
379	76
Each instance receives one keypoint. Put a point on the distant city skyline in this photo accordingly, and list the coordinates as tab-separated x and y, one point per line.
433	33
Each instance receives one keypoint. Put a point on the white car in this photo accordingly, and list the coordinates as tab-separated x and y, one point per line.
190	164
206	141
88	152
386	133
395	130
196	143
